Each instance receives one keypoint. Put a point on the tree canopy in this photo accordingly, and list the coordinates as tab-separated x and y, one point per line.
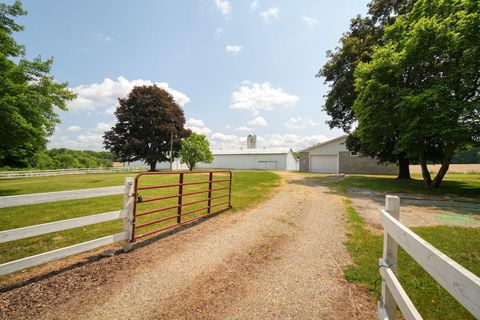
28	95
146	121
419	94
195	149
356	46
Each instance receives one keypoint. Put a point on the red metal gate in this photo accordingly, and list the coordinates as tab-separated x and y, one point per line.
158	208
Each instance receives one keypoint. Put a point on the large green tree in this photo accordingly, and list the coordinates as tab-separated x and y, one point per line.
28	95
146	121
356	46
195	149
423	85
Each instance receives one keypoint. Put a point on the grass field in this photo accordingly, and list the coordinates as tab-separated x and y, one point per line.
248	189
365	247
459	184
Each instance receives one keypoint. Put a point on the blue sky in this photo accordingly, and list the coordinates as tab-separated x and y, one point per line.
236	67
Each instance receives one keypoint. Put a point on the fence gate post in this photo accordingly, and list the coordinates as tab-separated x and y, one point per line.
128	218
390	256
180	197
210	179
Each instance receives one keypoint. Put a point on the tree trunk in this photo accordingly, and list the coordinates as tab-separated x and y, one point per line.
403	167
153	166
427	179
447	158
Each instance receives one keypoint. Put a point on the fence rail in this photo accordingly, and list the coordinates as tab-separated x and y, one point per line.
37	198
62	172
26	232
462	284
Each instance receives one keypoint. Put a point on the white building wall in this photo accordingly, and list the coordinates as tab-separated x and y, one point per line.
292	162
247	162
332	148
262	161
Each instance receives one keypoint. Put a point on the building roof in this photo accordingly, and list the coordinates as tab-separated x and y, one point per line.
324	143
253	151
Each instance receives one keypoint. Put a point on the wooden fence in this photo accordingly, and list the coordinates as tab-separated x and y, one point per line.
21	233
462	284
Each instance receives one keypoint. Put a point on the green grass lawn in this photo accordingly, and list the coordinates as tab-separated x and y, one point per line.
454	184
248	189
365	247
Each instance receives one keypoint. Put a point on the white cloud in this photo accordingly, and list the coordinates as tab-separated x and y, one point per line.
299	123
197	126
270	14
309	21
84	141
254	5
105	94
224	6
234	50
74	128
194	122
111	110
256	96
219	32
103	37
275	140
258	121
245	129
102	127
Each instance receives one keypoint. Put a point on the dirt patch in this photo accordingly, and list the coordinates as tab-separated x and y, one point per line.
417	210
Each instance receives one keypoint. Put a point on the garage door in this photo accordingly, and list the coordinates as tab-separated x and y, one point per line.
267	165
323	164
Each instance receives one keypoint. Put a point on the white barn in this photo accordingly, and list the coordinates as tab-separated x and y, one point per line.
241	159
253	159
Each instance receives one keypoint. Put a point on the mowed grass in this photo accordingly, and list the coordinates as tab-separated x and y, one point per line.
431	300
458	184
248	189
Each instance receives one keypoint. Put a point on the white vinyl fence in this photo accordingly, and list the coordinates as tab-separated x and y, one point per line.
21	233
462	284
63	172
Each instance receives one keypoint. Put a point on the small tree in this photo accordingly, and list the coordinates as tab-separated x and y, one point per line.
195	149
146	121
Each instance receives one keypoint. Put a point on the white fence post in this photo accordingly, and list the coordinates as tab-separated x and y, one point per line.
128	206
390	257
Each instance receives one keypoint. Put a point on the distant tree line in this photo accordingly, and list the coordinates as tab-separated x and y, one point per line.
66	158
471	155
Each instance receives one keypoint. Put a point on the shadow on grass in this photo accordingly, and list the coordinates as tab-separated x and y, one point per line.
462	188
97	257
8	192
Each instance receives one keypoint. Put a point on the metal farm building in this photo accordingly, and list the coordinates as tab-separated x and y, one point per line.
253	159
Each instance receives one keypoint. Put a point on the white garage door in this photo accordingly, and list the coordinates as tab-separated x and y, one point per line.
323	164
267	165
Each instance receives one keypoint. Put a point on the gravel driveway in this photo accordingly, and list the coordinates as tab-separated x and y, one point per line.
281	260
